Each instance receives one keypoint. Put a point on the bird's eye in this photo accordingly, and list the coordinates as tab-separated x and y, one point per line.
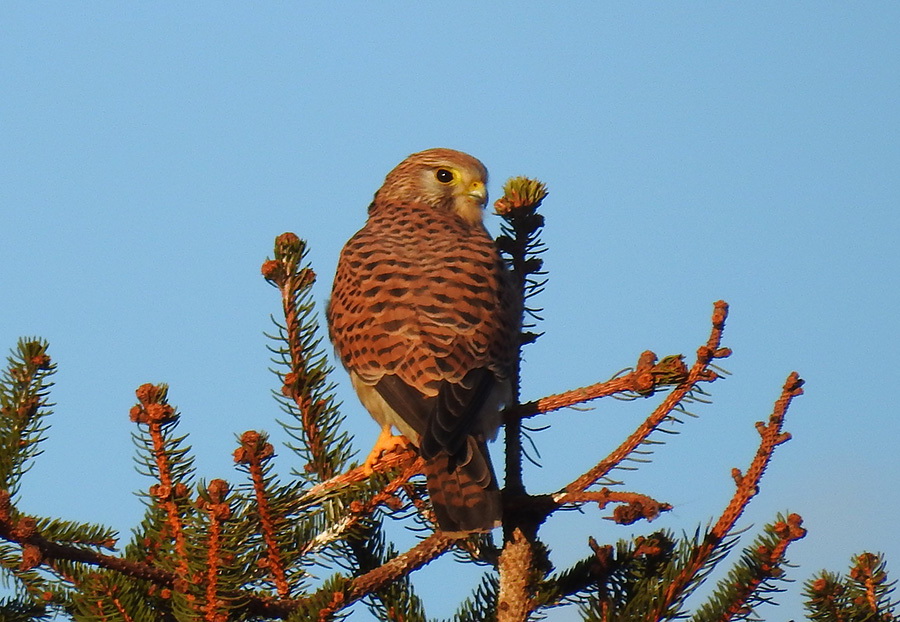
443	175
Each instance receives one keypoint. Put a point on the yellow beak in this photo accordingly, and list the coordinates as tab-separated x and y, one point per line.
478	191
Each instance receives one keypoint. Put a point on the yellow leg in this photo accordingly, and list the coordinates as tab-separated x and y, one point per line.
386	443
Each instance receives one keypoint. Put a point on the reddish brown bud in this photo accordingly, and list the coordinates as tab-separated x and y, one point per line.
41	361
288	240
160	491
646	360
643	383
220	511
250	437
146	393
266	451
628	514
137	414
159	413
218	490
5	505
253	448
720	313
31	557
289	381
24	528
273	270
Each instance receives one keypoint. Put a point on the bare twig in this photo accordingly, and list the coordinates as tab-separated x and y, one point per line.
747	487
699	372
647	377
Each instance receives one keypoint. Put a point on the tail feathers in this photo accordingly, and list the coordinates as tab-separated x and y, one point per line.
464	493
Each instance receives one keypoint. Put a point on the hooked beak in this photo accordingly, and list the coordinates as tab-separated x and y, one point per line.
478	192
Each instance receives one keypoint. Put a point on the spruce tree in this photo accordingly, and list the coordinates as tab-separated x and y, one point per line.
244	548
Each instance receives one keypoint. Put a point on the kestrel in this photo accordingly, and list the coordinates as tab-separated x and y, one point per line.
424	317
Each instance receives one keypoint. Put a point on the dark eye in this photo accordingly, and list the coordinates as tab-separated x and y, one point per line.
443	175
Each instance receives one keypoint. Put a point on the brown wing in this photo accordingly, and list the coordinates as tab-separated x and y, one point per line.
420	295
422	309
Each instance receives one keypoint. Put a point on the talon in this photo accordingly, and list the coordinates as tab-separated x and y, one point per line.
386	443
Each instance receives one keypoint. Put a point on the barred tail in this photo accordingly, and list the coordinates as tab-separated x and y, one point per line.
465	495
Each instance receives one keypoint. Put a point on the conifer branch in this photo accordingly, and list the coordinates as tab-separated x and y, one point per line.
521	247
23	530
747	487
218	510
646	378
864	595
305	393
374	580
254	452
154	411
869	573
24	389
751	580
699	372
405	459
421	554
635	506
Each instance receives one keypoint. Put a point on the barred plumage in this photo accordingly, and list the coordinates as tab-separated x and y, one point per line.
425	319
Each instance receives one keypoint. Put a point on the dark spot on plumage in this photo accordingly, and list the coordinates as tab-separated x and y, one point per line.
393	325
432	309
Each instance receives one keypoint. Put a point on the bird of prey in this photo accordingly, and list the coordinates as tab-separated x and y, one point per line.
424	317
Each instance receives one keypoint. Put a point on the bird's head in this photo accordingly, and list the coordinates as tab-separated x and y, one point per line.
441	179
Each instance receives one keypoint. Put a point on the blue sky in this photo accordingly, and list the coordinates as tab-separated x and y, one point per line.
150	153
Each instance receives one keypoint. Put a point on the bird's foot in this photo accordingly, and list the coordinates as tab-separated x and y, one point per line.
387	443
